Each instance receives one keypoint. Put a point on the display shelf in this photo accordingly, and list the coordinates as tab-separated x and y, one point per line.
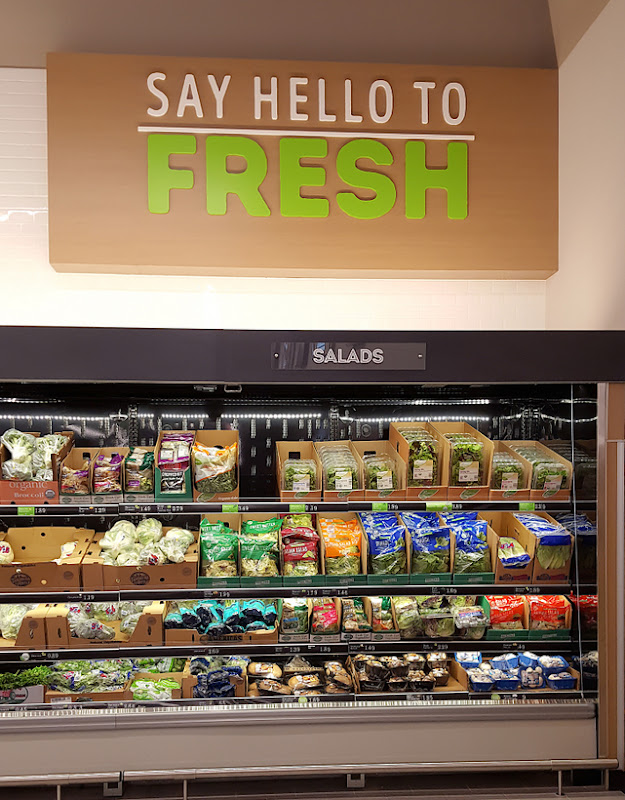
357	590
259	506
280	650
398	700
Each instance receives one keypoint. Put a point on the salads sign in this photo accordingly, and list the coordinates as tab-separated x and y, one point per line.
349	355
219	166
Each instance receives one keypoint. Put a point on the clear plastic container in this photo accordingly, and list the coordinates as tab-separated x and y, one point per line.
422	458
340	470
380	473
548	475
466	462
299	475
507	473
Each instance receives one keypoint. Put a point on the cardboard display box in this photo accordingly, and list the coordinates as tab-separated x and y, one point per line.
32	632
504	523
466	492
187	636
438	489
186	495
299	451
462	677
542	575
110	497
149	630
368	636
35	551
33	493
132	495
178	677
342	580
96	575
75	460
111	696
563	491
335	495
217	439
522	490
386	491
24	696
453	684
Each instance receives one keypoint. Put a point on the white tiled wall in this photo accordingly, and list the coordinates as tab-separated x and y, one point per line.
33	293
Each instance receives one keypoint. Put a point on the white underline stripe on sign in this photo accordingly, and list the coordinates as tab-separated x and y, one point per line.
328	134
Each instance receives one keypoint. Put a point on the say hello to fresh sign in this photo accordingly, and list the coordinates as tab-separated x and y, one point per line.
204	166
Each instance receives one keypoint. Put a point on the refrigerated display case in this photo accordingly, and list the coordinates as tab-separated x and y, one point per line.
119	389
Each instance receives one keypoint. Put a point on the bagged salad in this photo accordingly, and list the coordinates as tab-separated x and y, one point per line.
511	553
219	550
139	472
294	615
300	546
430	550
506	612
554	547
107	474
387	544
259	547
549	612
408	618
215	468
472	554
342	546
174	460
381	615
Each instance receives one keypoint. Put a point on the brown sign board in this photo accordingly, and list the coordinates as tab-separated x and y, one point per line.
195	166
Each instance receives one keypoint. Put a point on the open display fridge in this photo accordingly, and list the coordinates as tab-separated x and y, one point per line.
273	553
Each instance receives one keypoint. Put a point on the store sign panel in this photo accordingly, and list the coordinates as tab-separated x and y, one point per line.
233	167
340	356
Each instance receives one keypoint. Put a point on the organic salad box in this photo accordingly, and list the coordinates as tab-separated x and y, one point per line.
299	472
145	555
43	559
466	460
29	466
511	474
551	475
343	473
420	447
384	470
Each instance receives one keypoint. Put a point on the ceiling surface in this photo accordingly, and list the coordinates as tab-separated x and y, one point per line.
515	33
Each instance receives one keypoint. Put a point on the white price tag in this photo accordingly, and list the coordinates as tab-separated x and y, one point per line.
343	480
469	471
510	481
301	482
423	470
385	479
